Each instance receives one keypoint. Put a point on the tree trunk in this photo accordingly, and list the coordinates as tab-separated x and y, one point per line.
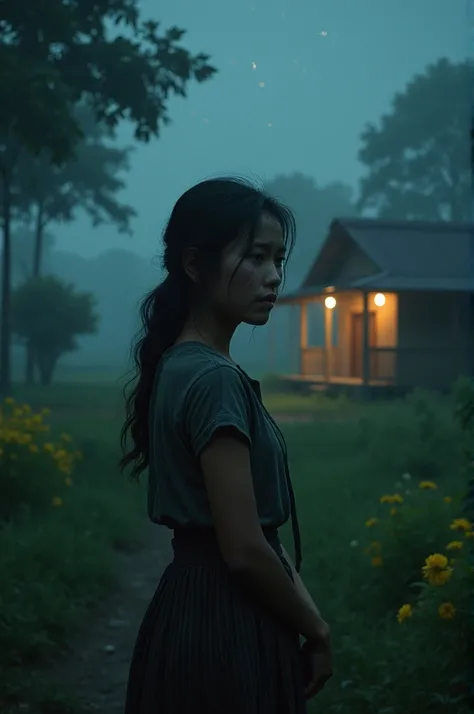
38	249
5	306
30	365
46	365
37	255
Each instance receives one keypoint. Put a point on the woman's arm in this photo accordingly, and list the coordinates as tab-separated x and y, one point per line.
299	584
225	463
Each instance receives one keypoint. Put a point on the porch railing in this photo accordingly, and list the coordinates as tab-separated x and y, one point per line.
404	366
313	361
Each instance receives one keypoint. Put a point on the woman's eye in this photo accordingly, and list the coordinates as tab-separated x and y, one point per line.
258	257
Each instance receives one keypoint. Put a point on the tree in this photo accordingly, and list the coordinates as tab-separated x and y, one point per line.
314	208
55	56
419	158
49	314
47	193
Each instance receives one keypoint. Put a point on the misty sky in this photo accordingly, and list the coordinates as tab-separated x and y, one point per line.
320	90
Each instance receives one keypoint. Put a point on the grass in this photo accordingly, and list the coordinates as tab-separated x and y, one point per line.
342	461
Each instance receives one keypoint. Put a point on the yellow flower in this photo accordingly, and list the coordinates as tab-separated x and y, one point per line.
436	570
446	611
49	447
371	522
393	511
9	401
33	448
394	498
461	524
447	499
65	437
427	485
57	501
404	612
374	546
377	561
45	412
455	545
469	534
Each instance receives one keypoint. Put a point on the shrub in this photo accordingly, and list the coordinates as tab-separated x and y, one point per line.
417	544
402	529
35	471
419	435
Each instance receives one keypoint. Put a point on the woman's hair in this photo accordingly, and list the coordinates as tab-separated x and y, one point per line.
206	218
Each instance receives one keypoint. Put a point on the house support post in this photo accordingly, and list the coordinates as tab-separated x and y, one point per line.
328	322
303	334
365	346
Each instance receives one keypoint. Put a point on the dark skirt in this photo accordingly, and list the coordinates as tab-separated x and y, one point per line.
205	646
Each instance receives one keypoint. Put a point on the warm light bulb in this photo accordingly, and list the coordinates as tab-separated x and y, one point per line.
379	300
330	302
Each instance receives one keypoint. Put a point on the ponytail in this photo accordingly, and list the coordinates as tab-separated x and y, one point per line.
163	313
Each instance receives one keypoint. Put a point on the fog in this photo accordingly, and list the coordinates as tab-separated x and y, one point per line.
297	82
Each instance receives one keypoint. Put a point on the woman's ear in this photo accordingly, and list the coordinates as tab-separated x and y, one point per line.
190	264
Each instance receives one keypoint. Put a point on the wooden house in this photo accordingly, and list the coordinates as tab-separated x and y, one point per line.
398	306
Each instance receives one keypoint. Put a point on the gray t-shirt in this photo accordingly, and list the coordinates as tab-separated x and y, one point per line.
199	391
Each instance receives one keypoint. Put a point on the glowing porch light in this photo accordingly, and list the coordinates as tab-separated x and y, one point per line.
379	300
330	302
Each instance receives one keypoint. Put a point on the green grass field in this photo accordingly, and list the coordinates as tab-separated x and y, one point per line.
342	461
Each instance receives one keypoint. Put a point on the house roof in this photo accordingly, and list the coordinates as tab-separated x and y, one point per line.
405	255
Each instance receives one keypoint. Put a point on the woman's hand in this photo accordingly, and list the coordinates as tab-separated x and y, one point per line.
317	664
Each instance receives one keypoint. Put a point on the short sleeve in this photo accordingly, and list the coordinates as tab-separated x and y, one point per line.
215	400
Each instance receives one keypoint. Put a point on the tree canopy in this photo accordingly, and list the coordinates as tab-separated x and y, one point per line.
54	54
418	158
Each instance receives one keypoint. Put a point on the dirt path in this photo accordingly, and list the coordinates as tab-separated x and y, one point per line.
96	670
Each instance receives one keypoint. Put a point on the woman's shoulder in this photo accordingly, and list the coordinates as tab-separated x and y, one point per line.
191	362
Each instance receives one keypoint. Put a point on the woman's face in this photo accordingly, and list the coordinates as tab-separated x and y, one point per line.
251	276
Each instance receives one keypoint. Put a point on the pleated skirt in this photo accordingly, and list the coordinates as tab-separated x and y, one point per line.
205	646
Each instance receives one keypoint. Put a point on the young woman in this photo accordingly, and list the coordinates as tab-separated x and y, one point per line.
221	635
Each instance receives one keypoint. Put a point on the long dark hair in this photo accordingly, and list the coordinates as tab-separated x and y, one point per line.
207	217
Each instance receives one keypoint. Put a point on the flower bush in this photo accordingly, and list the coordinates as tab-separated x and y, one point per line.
418	546
404	528
36	469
